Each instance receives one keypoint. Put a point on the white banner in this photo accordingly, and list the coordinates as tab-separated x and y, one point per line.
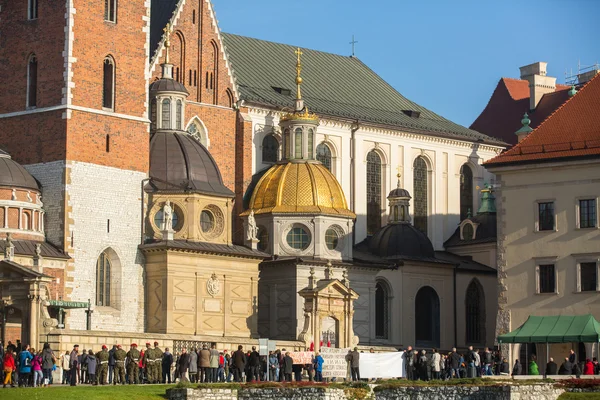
381	365
334	362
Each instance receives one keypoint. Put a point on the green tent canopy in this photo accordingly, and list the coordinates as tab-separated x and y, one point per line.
555	329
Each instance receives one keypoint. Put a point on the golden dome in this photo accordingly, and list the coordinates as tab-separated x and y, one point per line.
299	187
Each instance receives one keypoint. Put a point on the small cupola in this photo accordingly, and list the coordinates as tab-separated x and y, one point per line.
167	96
399	202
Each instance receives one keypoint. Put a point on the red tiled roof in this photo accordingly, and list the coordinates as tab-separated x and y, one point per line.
573	130
502	116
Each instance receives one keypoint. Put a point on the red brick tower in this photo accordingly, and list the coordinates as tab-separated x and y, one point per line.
74	112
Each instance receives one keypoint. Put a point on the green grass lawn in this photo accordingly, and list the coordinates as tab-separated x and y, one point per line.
579	396
142	392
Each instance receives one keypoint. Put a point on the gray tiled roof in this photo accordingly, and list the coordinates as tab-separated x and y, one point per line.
27	248
203	247
334	85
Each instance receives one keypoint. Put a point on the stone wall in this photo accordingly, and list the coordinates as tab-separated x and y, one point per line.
506	392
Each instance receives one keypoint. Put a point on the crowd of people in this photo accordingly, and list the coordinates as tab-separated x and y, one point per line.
26	367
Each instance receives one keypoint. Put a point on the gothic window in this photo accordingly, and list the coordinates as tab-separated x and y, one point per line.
270	148
108	90
197	131
298	238
229	98
373	192
381	310
298	143
153	115
311	139
427	318
466	191
103	266
110	10
178	115
467	231
420	186
475	313
324	155
32	67
32	9
166	114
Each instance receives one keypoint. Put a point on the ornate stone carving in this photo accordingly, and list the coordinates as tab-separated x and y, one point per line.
213	285
252	233
167	223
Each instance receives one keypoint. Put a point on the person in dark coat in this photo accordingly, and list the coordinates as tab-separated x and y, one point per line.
574	362
91	367
504	367
74	361
288	365
354	359
455	363
183	364
566	368
551	367
254	366
48	360
408	362
239	363
517	368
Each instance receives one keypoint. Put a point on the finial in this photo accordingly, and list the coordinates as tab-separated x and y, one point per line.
525	121
298	72
167	33
469	215
398	176
573	91
525	129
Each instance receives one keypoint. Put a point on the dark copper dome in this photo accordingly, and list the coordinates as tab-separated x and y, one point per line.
178	162
167	85
397	241
12	174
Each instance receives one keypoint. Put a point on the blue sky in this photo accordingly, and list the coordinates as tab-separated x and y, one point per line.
444	55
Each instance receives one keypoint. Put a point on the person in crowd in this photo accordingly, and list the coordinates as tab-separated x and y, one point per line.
48	361
574	362
141	366
408	363
214	363
319	361
204	364
74	364
167	362
65	362
588	369
227	366
36	368
498	360
551	367
119	369
183	364
517	368
504	367
287	367
566	368
8	366
102	369
25	360
221	369
487	362
533	367
470	362
239	363
273	366
423	364
158	356
455	363
83	374
297	371
111	363
193	369
254	366
354	359
92	364
596	366
435	364
133	366
477	363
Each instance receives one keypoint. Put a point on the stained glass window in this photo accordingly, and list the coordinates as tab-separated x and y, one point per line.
373	192
420	187
103	266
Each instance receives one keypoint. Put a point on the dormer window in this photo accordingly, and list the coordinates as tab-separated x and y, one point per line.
468	232
286	92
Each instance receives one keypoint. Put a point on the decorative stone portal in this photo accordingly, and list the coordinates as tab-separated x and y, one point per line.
328	303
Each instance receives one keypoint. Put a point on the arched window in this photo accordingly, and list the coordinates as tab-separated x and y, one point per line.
110	10
32	9
178	115
32	67
420	187
298	143
153	115
108	91
286	143
229	98
467	231
373	192
324	155
311	141
103	267
427	317
197	130
270	148
166	114
466	191
26	222
381	310
475	313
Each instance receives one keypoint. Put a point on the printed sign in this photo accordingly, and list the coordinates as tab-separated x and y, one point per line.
335	364
301	357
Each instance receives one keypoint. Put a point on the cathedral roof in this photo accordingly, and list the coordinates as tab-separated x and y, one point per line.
502	115
178	162
334	85
299	188
13	175
399	241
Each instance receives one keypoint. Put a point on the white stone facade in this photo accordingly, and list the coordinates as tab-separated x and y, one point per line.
103	213
398	150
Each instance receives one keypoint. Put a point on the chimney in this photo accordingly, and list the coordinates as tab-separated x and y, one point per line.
539	83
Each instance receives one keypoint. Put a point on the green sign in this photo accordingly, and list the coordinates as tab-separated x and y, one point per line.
68	304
